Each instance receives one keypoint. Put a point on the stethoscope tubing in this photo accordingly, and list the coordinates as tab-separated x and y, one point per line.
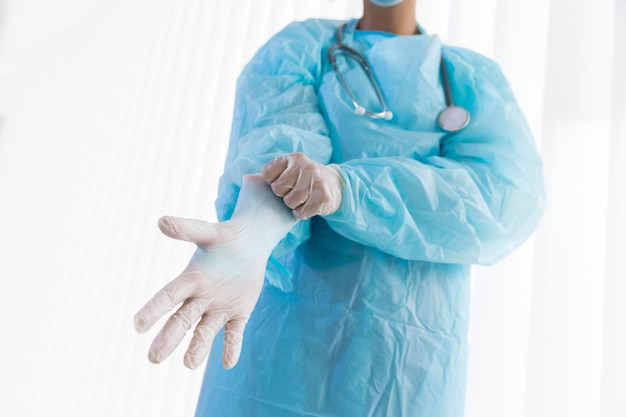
342	47
453	118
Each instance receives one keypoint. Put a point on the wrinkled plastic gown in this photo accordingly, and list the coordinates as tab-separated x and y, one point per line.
365	312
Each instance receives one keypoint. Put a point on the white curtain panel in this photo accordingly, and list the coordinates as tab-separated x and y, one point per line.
115	112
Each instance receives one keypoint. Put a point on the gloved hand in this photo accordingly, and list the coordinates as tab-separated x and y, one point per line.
223	280
306	186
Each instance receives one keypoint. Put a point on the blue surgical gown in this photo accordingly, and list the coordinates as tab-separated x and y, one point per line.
365	312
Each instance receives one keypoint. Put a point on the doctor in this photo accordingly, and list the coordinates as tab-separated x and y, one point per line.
347	257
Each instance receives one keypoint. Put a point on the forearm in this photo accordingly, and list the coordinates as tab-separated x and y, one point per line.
447	213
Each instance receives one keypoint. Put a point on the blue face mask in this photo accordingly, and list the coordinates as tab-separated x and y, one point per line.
386	3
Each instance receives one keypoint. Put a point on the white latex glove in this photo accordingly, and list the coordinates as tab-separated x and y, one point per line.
223	280
306	186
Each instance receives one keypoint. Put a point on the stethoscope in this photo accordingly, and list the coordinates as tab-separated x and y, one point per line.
451	119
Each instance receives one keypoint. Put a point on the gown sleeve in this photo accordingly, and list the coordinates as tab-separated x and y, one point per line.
474	202
276	112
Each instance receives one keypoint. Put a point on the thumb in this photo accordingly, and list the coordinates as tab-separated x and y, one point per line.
233	340
200	232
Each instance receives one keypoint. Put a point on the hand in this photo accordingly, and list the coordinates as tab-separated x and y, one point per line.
306	186
219	287
222	283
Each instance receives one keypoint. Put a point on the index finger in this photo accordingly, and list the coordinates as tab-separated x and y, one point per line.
163	301
274	168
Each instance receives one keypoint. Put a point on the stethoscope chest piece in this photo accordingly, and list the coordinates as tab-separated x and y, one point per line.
453	118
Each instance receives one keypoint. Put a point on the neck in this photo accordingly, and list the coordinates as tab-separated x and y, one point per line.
399	19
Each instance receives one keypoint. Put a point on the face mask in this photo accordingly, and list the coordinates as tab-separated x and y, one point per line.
386	3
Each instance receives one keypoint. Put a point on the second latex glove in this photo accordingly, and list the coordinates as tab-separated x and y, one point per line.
306	186
223	281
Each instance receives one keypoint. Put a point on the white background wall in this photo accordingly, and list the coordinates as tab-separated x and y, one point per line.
113	113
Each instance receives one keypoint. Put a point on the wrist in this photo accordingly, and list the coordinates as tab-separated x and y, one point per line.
337	174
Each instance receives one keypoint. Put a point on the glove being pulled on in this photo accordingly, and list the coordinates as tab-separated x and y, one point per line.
222	282
307	187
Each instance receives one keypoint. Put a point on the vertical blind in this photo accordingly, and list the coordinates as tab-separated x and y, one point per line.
115	112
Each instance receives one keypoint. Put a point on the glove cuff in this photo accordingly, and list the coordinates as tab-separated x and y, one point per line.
265	214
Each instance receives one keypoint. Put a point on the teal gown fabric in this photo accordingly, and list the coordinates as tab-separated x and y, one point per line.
365	312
